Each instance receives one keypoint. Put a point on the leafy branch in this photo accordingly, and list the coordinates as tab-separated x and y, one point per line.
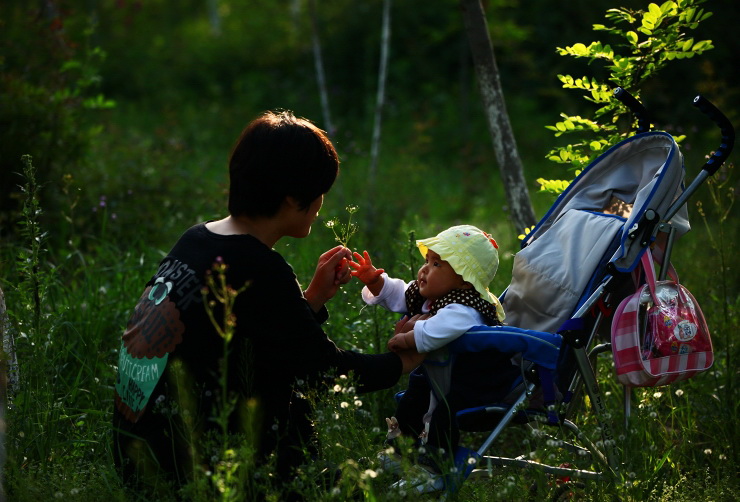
647	41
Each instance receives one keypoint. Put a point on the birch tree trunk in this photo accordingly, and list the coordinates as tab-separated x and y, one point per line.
318	62
380	98
385	38
504	145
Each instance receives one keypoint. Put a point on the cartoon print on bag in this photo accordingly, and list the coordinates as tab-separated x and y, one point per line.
685	331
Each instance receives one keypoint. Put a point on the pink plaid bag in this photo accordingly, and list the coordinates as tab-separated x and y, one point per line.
659	334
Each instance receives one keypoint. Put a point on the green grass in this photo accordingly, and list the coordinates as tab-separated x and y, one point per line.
109	225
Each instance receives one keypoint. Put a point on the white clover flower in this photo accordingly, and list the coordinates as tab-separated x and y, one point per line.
337	388
708	451
344	404
358	402
658	395
472	461
679	392
653	414
722	456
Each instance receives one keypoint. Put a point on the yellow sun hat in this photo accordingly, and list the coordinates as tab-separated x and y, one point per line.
472	253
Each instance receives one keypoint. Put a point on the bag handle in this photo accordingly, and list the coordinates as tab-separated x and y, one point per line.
649	268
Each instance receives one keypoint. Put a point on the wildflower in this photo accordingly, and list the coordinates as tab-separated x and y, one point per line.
369	473
657	395
344	404
708	451
472	461
337	388
679	392
653	414
722	456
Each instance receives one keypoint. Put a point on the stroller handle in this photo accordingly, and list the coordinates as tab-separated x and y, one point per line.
728	134
637	108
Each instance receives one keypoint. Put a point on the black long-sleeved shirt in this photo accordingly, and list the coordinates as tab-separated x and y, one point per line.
170	357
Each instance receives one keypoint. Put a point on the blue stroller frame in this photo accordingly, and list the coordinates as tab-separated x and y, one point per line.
581	253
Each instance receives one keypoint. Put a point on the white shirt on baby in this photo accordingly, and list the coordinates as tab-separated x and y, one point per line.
449	323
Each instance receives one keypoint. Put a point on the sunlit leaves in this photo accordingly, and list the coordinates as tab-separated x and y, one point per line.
647	40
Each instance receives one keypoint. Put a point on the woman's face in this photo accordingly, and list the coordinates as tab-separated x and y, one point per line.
304	218
436	277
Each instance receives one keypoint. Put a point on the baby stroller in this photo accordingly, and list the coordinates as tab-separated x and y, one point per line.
574	267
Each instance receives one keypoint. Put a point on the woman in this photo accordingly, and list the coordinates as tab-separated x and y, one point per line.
169	386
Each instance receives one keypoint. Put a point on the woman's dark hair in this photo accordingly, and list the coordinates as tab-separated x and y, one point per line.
279	155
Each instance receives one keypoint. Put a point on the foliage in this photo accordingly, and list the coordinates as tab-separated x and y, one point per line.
647	41
50	81
96	226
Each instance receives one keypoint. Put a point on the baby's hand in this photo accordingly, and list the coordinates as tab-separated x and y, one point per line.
364	269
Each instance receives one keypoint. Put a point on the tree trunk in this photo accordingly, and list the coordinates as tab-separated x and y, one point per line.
380	98
318	62
8	383
504	145
385	37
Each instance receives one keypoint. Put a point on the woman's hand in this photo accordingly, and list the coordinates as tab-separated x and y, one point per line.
331	272
402	341
410	358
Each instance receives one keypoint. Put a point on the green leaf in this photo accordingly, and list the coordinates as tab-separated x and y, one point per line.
631	37
703	45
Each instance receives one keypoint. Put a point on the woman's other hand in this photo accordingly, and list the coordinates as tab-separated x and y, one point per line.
331	272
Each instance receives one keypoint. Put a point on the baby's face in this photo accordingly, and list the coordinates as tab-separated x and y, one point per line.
436	277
